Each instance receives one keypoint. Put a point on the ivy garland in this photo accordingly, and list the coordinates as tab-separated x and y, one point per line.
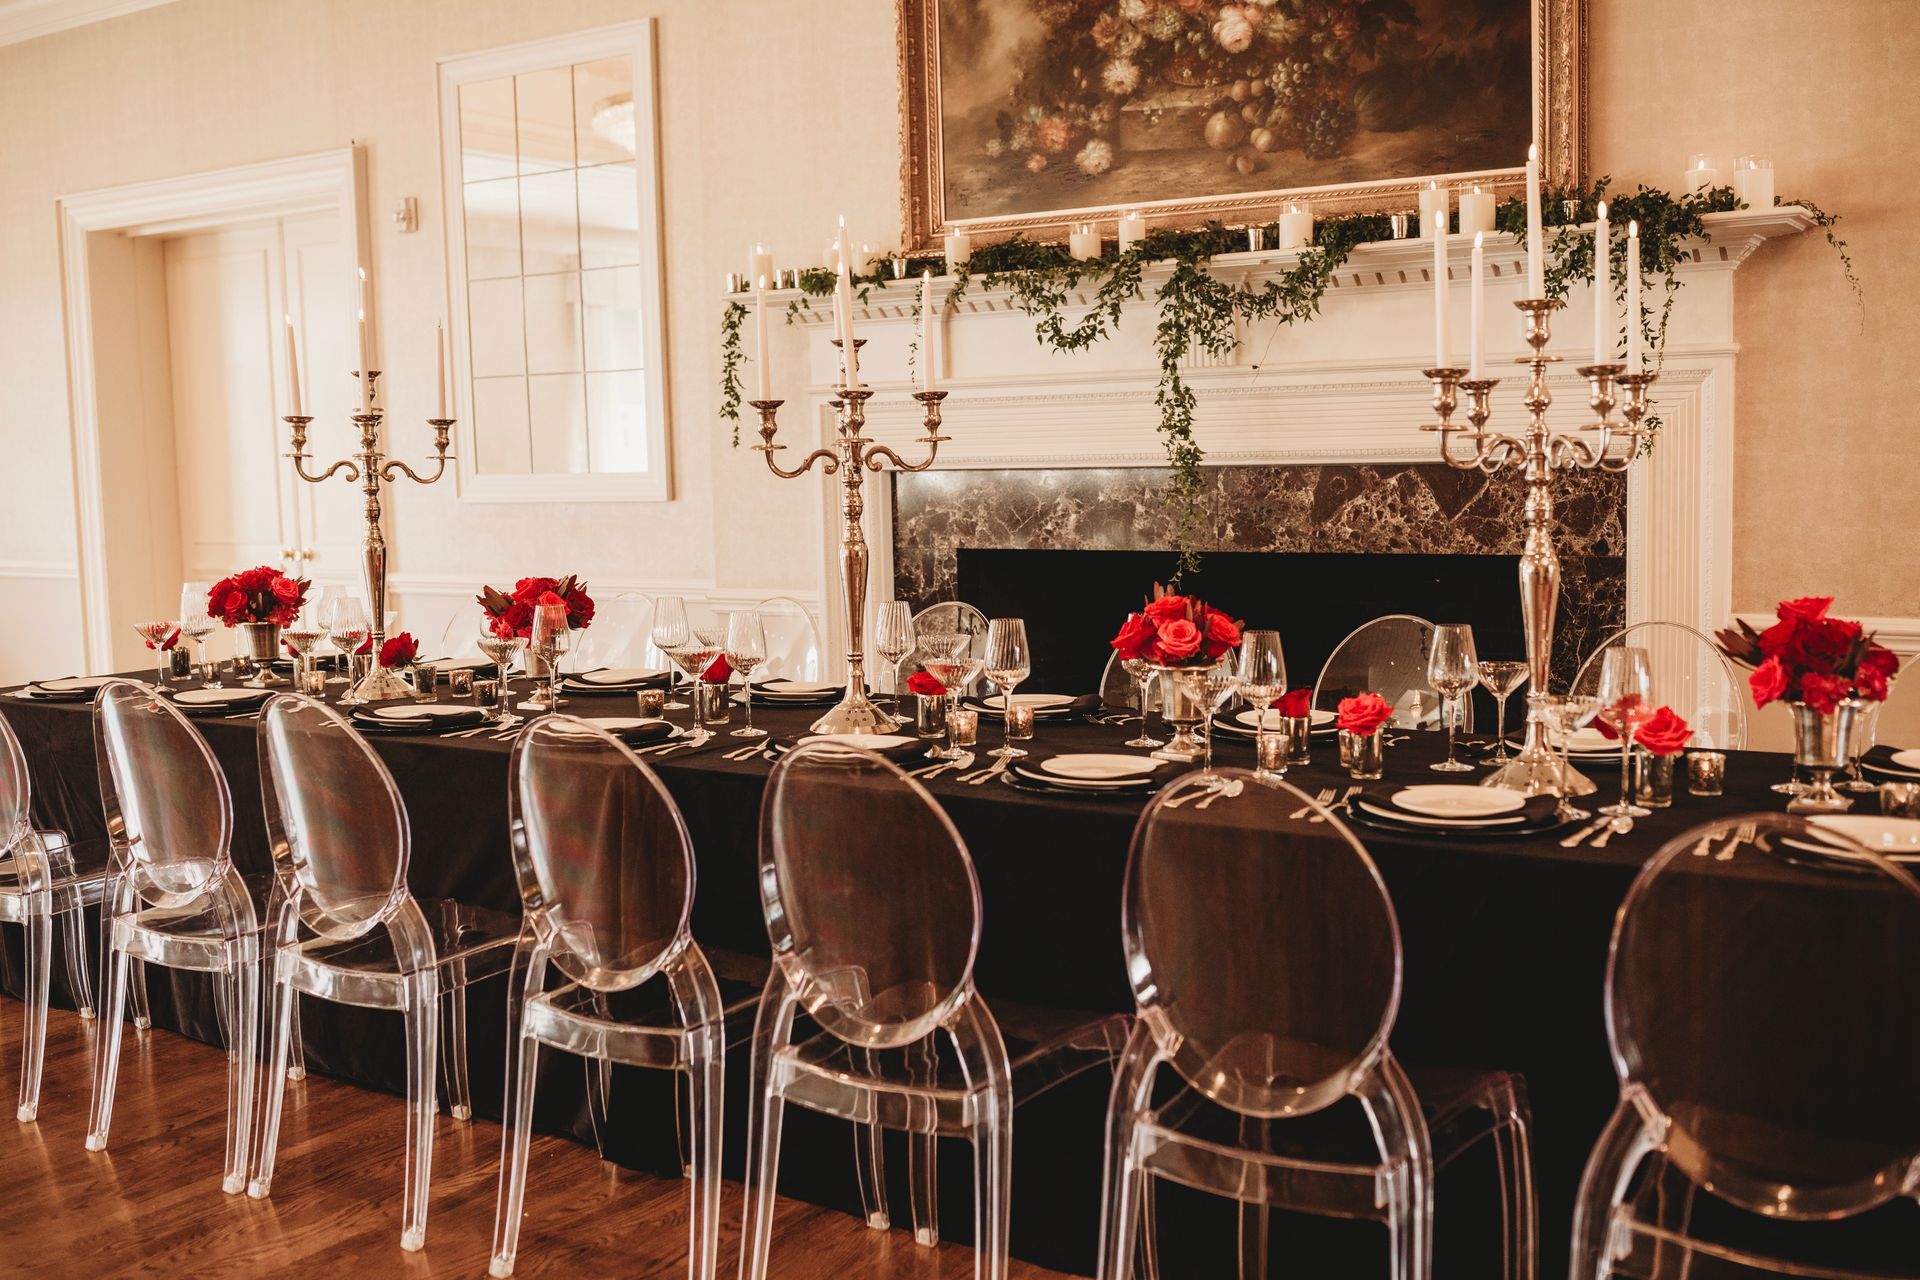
1198	311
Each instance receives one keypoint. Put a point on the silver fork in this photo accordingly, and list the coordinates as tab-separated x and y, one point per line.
1305	810
1618	826
979	776
1227	792
1213	788
742	753
962	761
1585	833
1743	833
1345	796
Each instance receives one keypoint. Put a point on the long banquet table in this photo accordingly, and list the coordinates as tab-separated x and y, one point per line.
1505	943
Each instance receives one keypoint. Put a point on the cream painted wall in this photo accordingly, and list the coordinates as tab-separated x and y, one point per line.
754	147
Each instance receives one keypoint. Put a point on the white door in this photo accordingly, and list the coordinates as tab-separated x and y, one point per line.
228	293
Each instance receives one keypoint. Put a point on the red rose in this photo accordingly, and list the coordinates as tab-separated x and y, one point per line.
399	651
1823	693
719	673
1807	608
1296	703
1875	672
1768	681
548	598
1665	734
1363	713
579	609
1223	632
925	684
1167	608
234	607
285	590
1179	639
1136	636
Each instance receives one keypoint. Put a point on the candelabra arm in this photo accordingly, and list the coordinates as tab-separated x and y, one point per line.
299	455
769	410
880	453
394	469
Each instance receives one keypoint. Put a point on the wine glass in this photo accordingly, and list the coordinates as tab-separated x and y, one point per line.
1009	660
1263	678
670	630
550	641
1502	678
1220	683
1626	703
301	637
746	648
348	628
949	659
1565	715
1452	669
893	641
156	635
1866	726
1142	672
694	654
196	624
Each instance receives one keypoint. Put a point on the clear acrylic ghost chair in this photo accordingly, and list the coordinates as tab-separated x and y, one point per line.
1265	960
346	929
1690	674
955	617
173	897
43	877
873	909
621	635
1387	656
606	876
460	638
793	641
1765	1026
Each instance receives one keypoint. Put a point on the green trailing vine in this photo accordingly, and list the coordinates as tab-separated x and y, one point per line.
1198	312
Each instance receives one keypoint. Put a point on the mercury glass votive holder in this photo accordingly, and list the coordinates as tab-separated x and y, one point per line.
312	683
1270	755
963	727
930	714
491	696
424	676
1900	799
1706	773
1019	723
1652	779
460	682
1363	754
652	703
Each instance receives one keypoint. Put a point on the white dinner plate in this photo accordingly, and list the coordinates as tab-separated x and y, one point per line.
218	697
1459	824
1897	838
1317	719
862	741
613	724
422	711
73	684
461	664
1453	800
1038	701
618	676
794	689
1909	760
1093	767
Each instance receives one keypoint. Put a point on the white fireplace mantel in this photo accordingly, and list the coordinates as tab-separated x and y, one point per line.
1344	388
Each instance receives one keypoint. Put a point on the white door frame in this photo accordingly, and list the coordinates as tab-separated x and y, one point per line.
324	181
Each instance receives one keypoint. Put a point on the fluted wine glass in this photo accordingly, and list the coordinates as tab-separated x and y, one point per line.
348	628
1502	678
502	649
550	641
1009	661
746	648
196	624
893	641
671	631
1626	703
1220	683
948	658
1263	678
1452	669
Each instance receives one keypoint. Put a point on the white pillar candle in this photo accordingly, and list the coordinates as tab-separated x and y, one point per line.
1476	211
1603	346
959	249
1133	229
1753	182
1536	262
1701	174
761	265
760	354
1478	311
1442	323
293	372
440	366
1636	358
927	355
1433	205
1083	242
1296	226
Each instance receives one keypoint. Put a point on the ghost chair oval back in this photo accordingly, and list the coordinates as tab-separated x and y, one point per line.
606	877
43	877
621	635
873	910
1690	674
173	897
348	930
1265	960
793	641
1387	656
1765	1029
460	638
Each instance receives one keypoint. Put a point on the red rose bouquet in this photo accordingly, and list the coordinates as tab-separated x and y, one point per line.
1806	656
400	651
1177	631
263	594
512	615
926	684
1362	713
1664	735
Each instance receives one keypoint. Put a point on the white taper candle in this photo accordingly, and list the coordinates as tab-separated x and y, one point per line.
1602	289
1636	358
1536	264
765	379
293	371
927	356
1442	320
1478	309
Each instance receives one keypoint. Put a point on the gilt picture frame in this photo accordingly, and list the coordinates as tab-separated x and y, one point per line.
1028	116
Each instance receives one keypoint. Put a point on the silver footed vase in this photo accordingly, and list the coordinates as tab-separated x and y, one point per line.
1823	745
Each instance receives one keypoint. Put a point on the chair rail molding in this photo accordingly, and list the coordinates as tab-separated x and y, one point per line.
1344	388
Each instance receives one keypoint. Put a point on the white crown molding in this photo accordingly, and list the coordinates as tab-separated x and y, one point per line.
23	20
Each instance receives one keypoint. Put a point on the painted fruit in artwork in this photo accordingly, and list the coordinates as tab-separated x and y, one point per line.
1225	130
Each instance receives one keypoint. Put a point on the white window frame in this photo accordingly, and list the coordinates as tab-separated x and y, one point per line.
636	41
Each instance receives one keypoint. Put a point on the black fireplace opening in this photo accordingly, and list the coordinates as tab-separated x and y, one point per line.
1073	601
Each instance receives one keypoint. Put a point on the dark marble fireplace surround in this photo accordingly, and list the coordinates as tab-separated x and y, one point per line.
1380	509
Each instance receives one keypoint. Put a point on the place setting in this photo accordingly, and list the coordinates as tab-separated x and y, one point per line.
1444	810
1089	774
614	681
65	689
419	717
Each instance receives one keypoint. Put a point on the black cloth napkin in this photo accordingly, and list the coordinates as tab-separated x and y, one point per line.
573	684
1881	760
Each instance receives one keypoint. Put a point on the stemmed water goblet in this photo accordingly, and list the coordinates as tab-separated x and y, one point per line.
502	649
1220	683
746	648
1142	672
1009	660
1565	715
1263	678
671	630
156	635
348	628
1866	725
1626	703
1502	678
301	637
1452	670
947	658
549	642
893	641
196	624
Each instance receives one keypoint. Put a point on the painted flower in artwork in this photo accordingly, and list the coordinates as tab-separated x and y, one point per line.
1120	77
1036	163
1095	157
1233	30
1053	134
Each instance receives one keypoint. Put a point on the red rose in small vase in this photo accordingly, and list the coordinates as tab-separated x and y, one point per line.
925	684
400	651
1665	734
1362	713
720	672
1178	639
1295	703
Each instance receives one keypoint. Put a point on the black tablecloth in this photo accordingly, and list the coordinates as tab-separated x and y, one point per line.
1505	945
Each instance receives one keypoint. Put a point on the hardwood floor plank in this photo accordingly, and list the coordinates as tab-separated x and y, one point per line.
151	1204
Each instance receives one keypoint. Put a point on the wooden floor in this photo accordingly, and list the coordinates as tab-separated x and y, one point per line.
151	1205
